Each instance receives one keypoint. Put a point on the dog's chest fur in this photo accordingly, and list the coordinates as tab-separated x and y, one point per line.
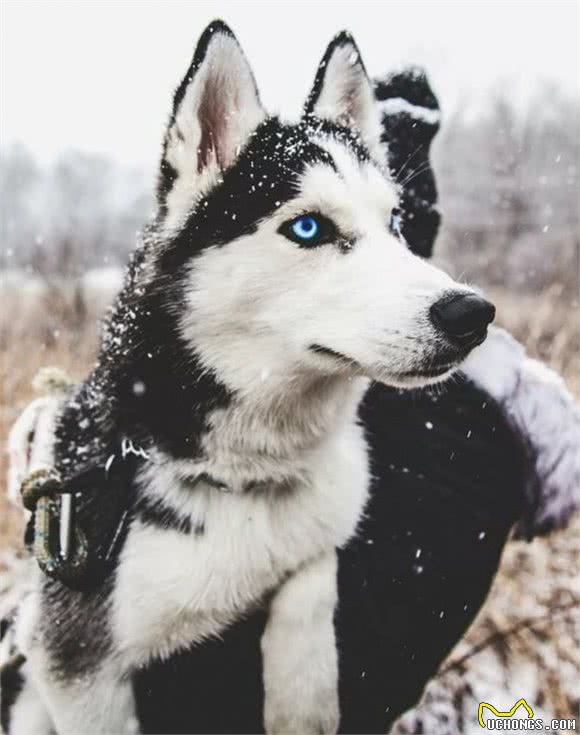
174	588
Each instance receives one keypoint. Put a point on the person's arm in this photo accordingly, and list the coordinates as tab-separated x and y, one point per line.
542	411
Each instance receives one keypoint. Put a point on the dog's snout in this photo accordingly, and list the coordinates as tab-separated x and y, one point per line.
463	318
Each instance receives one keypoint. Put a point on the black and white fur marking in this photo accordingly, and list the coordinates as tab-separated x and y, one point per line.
257	467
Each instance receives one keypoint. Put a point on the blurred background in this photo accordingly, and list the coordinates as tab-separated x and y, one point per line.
86	89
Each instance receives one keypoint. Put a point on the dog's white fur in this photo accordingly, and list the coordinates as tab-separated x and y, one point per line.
252	542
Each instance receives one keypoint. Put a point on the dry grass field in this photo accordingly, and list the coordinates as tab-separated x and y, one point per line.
536	593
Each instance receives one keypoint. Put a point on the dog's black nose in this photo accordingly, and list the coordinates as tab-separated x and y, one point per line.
463	318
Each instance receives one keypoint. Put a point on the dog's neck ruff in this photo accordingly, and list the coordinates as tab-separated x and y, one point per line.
267	442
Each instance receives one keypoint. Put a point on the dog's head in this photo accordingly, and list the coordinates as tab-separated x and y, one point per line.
285	238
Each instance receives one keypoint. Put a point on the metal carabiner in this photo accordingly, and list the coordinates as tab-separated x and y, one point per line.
60	546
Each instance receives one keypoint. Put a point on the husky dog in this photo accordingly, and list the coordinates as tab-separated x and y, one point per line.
272	287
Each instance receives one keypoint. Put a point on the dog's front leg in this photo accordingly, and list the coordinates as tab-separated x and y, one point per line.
299	653
99	702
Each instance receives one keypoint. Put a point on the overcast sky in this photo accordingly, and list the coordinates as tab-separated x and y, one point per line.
99	75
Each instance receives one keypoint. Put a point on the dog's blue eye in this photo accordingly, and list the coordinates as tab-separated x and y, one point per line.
396	222
305	228
310	230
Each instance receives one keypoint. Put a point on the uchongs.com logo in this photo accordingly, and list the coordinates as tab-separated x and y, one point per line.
495	719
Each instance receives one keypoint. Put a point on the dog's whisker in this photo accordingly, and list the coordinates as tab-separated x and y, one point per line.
407	161
416	173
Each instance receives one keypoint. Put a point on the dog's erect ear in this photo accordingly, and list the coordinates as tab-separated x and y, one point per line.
343	93
215	108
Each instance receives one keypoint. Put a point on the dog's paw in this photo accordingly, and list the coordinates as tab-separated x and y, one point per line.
303	698
312	713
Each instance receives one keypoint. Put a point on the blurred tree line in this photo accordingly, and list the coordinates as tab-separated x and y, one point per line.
80	212
508	183
509	192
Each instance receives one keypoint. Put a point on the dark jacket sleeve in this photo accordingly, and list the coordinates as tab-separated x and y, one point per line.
410	118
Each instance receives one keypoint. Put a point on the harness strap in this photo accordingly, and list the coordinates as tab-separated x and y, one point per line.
79	558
